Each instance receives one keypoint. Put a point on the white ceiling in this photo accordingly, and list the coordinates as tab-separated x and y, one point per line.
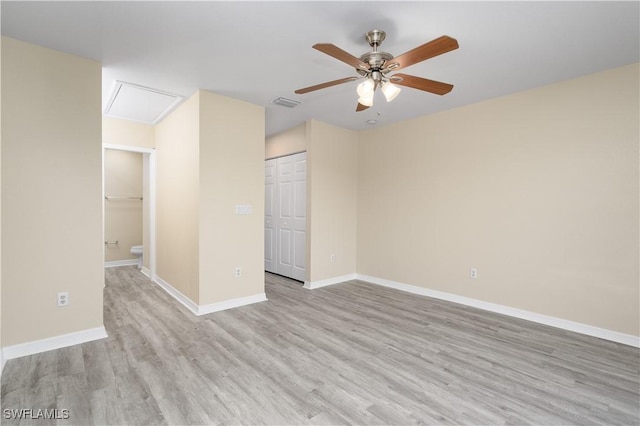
258	51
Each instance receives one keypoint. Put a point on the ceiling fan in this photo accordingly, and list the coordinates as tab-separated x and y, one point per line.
375	66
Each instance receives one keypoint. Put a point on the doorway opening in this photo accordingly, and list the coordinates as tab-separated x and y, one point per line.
129	205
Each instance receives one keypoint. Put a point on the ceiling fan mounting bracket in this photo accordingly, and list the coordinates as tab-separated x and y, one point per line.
375	38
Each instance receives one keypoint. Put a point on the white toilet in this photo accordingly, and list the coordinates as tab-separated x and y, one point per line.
137	251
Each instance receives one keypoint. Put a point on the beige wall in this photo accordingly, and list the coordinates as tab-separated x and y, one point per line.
210	157
51	186
177	198
231	173
116	131
538	190
122	217
291	141
332	193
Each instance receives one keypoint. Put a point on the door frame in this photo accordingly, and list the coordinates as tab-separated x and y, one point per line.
273	265
151	152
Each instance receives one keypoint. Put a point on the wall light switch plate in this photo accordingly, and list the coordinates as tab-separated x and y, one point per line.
243	209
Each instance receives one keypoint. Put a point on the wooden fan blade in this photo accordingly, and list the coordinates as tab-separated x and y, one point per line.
361	107
428	50
340	55
323	85
420	83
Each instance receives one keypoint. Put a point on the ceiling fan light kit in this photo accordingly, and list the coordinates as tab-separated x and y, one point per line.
375	66
365	91
366	88
366	101
390	91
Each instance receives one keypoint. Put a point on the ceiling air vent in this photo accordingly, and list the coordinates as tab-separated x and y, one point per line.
289	103
139	103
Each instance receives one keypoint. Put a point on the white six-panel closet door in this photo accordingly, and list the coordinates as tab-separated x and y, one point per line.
285	215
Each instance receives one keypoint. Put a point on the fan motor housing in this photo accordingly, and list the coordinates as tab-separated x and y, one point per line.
375	60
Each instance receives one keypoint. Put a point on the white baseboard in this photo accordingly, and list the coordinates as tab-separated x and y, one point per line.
177	294
115	263
210	308
589	330
51	343
231	303
146	271
312	285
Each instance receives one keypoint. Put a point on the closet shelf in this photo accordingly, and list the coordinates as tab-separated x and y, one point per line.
106	197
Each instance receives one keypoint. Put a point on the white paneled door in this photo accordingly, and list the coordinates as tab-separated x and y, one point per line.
285	215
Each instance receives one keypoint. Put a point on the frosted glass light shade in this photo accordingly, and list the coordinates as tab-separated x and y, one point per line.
366	88
366	100
390	91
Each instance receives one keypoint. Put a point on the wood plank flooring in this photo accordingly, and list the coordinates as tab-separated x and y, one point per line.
352	353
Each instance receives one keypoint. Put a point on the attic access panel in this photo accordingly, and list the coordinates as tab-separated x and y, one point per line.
139	103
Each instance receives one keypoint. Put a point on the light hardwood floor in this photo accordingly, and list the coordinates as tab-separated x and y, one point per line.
350	353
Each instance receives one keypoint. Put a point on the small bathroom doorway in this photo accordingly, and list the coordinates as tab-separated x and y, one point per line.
129	207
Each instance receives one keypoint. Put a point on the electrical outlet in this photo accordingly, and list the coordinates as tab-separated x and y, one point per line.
474	273
63	298
332	257
238	272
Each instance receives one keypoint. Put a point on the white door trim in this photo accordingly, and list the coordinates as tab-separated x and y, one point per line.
128	148
270	216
